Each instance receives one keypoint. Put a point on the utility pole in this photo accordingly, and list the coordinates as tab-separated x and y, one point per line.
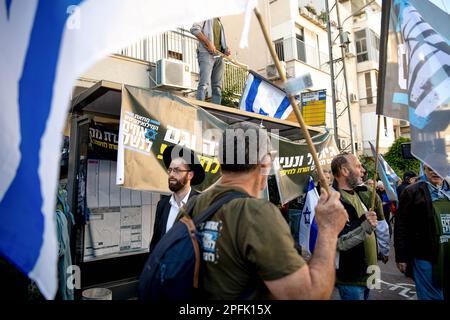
333	86
334	77
343	45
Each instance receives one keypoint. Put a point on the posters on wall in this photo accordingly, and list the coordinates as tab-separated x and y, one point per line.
120	220
151	121
314	105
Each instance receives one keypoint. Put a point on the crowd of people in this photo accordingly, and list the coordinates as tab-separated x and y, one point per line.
252	253
255	252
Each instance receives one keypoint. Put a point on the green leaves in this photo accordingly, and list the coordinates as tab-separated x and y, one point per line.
395	158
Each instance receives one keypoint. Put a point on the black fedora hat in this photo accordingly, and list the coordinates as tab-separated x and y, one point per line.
191	159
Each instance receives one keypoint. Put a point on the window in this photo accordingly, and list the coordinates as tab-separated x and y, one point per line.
374	46
279	49
175	55
385	127
368	88
375	40
300	40
361	46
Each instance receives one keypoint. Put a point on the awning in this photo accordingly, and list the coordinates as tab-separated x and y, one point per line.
104	98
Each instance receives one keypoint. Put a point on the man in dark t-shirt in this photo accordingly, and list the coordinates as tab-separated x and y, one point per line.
248	251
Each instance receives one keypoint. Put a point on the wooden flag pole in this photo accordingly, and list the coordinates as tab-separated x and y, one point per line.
377	150
385	9
236	63
312	149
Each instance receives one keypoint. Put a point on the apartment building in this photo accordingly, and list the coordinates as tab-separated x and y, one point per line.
300	41
299	33
365	26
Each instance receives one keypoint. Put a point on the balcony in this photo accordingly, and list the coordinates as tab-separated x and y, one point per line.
179	45
367	44
182	45
295	49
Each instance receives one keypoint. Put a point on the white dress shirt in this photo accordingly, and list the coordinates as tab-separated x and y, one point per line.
174	209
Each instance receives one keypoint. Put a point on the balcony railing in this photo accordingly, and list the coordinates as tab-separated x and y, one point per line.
182	45
295	49
234	79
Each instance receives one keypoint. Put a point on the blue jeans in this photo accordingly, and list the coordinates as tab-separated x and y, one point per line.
211	74
348	292
423	277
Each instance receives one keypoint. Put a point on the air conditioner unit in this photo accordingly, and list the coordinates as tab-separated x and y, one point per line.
272	72
353	97
174	74
358	146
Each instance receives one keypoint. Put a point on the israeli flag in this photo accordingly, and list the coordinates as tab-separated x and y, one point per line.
308	226
262	97
45	46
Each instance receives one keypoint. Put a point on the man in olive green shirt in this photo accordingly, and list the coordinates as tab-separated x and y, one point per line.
357	244
248	251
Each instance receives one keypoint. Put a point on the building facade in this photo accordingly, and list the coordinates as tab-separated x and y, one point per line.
299	32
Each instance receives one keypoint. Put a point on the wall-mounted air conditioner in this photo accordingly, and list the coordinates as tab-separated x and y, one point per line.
353	97
174	74
272	72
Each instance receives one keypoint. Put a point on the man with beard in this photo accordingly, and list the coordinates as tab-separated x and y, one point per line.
357	244
184	170
249	252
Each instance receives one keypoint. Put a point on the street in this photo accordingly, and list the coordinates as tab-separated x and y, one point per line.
393	285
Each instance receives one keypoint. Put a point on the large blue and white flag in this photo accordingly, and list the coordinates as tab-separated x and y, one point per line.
262	97
387	176
45	46
308	226
417	76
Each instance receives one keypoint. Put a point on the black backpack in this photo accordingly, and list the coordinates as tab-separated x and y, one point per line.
172	270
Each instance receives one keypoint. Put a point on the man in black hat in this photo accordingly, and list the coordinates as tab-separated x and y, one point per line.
184	169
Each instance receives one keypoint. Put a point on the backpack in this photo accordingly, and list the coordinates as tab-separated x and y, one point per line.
172	270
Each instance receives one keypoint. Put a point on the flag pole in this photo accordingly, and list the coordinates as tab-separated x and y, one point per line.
233	61
377	150
293	102
385	11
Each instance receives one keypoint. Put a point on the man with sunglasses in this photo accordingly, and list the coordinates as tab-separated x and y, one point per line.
184	171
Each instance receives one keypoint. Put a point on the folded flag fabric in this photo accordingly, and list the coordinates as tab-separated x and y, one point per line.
308	226
387	176
416	84
262	97
45	46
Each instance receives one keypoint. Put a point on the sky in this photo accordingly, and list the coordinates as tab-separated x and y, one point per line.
443	4
320	4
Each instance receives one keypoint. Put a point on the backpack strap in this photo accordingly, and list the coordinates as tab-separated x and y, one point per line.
208	213
191	228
